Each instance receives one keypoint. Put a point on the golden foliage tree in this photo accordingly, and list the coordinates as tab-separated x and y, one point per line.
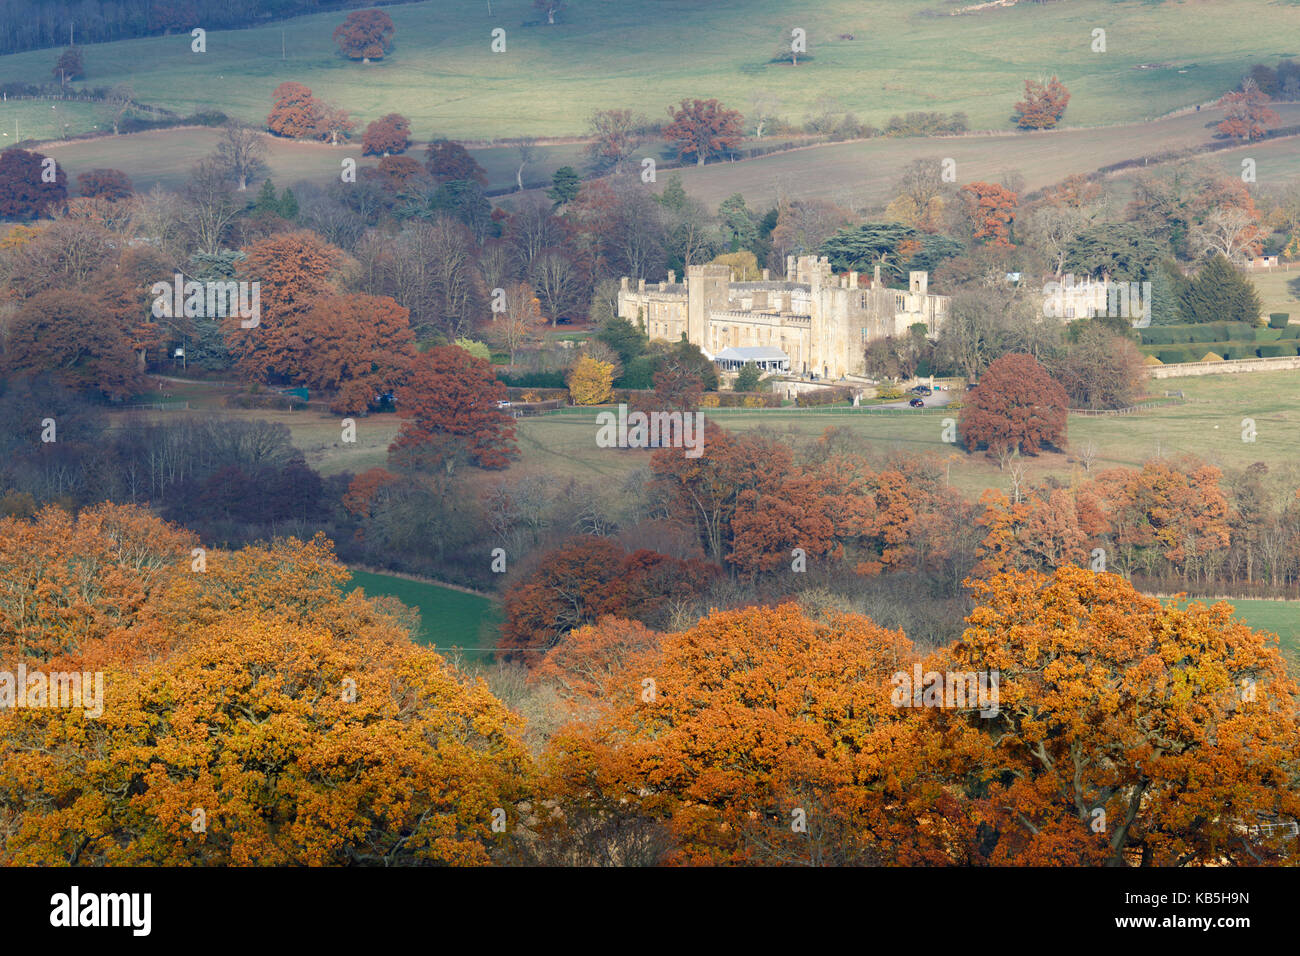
590	381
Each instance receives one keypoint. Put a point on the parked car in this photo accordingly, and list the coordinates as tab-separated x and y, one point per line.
917	403
921	389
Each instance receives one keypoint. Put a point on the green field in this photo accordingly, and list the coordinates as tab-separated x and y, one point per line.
1279	291
907	55
1277	617
1208	426
903	56
448	618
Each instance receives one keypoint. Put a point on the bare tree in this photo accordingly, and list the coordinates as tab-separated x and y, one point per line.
528	152
558	283
1088	454
209	206
1228	230
614	136
241	152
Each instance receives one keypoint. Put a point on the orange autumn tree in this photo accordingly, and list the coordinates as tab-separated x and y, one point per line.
292	269
302	721
764	736
1034	532
1043	106
1246	113
993	210
296	113
1018	407
357	346
73	586
66	333
365	488
1127	732
449	406
300	746
1178	513
365	35
587	666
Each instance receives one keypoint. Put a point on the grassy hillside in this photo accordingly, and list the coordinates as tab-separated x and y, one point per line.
858	175
448	618
907	55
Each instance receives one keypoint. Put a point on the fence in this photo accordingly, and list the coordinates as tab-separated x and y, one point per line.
1128	409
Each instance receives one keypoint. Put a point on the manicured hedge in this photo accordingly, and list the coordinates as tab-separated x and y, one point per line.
533	379
1201	332
1278	320
1195	351
1275	349
1290	332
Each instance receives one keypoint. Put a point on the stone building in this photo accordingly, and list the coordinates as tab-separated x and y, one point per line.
821	321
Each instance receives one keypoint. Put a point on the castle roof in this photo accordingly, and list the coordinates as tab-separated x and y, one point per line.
751	353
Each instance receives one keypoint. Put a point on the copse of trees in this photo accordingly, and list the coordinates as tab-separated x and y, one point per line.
927	784
297	114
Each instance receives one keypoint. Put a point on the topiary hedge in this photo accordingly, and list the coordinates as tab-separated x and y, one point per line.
1200	332
1278	320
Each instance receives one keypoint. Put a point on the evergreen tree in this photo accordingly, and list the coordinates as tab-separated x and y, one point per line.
288	206
674	195
738	223
266	200
565	183
1220	293
1164	299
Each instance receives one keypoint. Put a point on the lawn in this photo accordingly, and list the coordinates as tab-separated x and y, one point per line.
1279	290
448	617
875	60
1208	426
1277	617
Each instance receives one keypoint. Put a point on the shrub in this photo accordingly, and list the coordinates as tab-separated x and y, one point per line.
1278	320
1290	332
533	380
889	391
823	396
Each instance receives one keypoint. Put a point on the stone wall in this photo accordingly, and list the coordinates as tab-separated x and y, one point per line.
1280	364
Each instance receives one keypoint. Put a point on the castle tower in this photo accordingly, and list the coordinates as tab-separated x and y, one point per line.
706	292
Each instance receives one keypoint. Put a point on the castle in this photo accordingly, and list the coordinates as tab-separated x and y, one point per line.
822	322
